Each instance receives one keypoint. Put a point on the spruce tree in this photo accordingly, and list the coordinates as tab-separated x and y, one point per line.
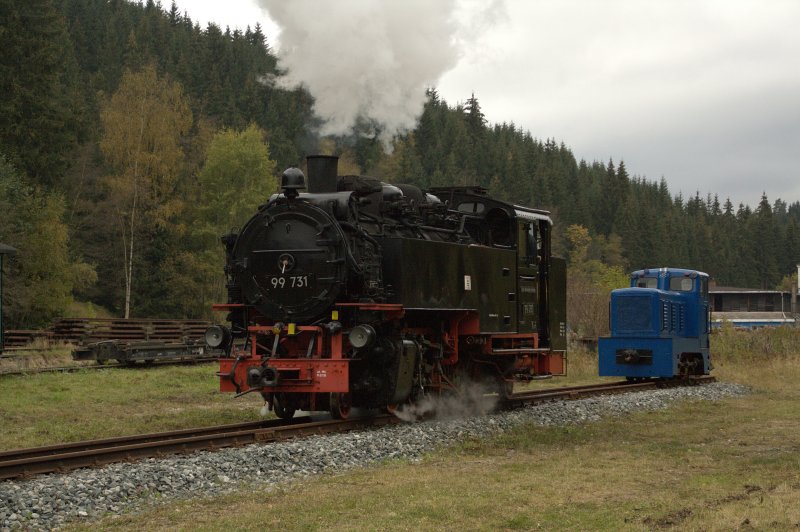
764	245
40	109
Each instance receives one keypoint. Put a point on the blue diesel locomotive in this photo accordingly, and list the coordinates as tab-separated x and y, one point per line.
659	326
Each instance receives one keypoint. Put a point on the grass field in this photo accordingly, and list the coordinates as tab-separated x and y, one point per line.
728	465
49	408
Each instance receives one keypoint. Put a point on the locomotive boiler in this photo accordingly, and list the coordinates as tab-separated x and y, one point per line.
362	293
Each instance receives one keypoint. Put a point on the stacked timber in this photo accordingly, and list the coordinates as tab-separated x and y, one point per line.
81	331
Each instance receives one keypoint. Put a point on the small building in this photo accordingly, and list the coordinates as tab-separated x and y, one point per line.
750	307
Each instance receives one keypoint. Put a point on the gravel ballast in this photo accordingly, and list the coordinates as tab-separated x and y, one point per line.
50	501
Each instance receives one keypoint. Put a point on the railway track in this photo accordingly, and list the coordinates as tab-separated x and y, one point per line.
578	392
59	458
23	463
68	369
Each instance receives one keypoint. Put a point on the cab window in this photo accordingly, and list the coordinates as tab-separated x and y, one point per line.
533	244
530	242
681	284
501	229
471	207
646	282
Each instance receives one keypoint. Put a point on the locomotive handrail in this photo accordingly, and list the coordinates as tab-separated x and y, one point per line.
521	350
372	306
226	306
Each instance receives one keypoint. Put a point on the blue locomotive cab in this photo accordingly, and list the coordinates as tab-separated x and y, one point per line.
659	326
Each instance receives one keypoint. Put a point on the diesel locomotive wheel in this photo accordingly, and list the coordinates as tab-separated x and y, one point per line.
282	408
340	405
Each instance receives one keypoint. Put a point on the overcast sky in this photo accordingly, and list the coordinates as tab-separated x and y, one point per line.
704	93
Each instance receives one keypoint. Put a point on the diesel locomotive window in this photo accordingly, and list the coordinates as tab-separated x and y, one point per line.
681	284
704	287
647	282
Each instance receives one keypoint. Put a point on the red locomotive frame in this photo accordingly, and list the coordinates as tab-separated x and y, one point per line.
316	361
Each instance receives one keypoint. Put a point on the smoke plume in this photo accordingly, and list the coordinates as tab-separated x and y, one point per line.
367	62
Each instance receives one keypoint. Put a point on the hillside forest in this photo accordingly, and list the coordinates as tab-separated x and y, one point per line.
131	138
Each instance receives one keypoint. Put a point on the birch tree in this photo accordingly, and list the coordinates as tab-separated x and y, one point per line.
143	124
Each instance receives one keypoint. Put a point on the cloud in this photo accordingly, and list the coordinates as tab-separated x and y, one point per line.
701	92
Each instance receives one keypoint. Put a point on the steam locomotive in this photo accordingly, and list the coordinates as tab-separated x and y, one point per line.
359	293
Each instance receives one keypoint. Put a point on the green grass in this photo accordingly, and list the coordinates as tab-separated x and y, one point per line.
50	408
724	465
733	345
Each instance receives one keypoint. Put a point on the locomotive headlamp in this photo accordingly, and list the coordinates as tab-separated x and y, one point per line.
261	377
218	337
362	336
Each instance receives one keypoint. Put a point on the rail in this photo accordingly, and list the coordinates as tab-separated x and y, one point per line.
577	392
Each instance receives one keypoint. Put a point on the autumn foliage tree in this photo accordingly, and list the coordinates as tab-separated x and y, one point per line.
143	124
589	285
42	276
237	177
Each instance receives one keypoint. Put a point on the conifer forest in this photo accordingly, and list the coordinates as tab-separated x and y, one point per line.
132	138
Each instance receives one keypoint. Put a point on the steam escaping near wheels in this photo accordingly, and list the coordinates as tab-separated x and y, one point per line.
472	399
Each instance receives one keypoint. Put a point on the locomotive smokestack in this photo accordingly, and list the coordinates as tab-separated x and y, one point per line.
323	171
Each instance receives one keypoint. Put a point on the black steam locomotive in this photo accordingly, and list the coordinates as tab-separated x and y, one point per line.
361	293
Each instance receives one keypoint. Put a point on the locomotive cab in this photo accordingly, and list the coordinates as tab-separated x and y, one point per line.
659	326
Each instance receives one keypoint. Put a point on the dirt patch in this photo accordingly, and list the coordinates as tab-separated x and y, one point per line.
55	357
669	520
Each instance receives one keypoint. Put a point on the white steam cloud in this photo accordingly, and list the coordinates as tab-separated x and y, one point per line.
472	399
368	60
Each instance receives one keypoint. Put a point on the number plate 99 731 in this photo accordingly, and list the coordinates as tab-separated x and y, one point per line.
291	281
